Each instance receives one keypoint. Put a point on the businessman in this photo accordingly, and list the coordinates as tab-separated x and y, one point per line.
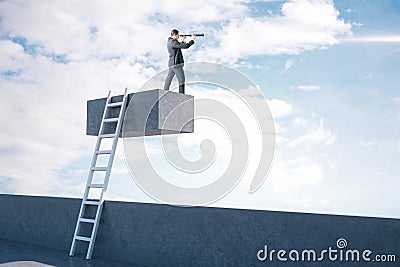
175	62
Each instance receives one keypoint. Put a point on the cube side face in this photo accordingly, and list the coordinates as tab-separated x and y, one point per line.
95	109
176	112
141	116
94	114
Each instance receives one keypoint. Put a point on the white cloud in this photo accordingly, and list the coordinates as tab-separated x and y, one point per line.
365	143
300	121
279	108
369	76
289	64
43	107
374	39
308	87
58	27
80	31
356	24
106	46
291	175
11	56
319	136
303	26
331	164
109	29
396	100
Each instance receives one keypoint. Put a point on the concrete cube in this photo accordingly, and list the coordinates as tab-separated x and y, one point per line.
152	112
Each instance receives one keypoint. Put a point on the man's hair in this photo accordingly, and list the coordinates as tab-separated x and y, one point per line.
174	32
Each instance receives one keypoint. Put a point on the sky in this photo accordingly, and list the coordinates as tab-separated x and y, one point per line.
329	71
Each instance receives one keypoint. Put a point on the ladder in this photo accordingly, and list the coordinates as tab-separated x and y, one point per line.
98	202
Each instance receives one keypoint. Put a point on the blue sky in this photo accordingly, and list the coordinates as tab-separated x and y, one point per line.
329	70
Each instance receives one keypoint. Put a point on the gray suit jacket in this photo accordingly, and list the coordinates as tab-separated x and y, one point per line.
174	49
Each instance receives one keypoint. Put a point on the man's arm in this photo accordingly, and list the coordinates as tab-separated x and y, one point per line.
176	44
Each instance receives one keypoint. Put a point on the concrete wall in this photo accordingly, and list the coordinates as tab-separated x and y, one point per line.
162	235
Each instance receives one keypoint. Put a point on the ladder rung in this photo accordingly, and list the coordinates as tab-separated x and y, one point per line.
103	151
86	220
82	238
111	120
89	202
116	104
96	185
107	135
102	169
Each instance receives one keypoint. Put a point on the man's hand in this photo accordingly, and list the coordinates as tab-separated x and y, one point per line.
193	36
183	38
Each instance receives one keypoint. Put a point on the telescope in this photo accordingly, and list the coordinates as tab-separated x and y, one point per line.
187	35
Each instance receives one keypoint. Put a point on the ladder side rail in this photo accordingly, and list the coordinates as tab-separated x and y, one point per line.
94	231
107	176
89	180
115	141
98	142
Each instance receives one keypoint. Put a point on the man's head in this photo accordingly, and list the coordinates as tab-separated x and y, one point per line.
175	34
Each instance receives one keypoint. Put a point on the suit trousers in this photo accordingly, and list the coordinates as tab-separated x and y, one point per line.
178	70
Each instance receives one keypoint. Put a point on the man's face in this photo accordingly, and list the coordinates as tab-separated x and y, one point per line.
176	36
